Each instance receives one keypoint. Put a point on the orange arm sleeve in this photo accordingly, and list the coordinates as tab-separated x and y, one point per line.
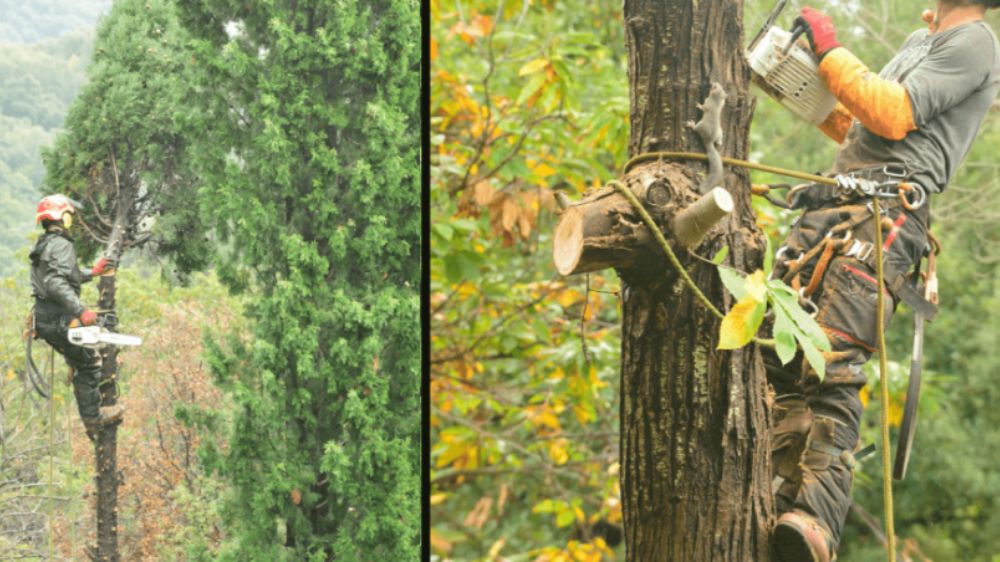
882	106
837	123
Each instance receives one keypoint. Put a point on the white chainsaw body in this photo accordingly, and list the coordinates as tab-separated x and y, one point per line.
96	337
793	78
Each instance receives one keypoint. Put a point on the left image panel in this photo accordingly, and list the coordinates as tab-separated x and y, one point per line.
210	241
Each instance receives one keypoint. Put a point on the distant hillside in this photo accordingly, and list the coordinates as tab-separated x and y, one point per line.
37	84
29	21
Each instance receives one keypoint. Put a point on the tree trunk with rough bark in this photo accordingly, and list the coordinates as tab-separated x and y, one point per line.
106	444
694	420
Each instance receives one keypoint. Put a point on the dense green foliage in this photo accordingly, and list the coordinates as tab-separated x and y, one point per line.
525	364
123	149
307	147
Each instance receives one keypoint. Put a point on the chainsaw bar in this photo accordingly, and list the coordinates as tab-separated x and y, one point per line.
96	336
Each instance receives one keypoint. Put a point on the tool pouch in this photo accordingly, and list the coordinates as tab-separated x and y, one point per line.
29	327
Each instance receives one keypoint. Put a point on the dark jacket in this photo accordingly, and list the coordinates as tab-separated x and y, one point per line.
55	277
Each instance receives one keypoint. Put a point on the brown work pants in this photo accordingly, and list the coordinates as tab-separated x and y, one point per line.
816	423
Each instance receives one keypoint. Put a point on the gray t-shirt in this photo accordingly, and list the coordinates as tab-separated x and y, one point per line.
952	78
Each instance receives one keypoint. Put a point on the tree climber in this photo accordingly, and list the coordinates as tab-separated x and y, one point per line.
914	121
55	284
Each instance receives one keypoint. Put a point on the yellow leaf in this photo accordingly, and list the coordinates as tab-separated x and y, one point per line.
438	498
439	543
495	549
558	452
568	297
533	66
895	412
543	170
741	323
757	286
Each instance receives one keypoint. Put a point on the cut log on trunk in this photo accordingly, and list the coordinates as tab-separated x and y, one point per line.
694	222
603	230
598	232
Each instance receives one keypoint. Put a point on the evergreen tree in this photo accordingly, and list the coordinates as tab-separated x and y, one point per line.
123	156
308	147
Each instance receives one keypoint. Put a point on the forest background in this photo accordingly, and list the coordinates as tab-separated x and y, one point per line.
273	408
529	98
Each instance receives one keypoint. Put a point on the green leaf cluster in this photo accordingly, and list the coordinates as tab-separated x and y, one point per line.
791	323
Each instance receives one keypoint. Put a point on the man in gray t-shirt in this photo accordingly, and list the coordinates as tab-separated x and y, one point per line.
952	78
922	111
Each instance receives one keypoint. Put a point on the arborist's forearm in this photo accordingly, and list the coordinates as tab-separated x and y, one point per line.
882	106
837	123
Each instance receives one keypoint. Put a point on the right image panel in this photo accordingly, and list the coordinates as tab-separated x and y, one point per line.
697	269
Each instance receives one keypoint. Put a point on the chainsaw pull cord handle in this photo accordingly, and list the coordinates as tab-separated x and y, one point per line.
798	31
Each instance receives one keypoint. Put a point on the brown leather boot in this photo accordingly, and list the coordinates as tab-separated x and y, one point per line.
799	537
108	415
111	414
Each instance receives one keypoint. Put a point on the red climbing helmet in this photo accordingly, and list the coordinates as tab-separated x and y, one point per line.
53	207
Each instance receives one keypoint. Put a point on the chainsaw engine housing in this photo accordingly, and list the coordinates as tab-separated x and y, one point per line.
793	78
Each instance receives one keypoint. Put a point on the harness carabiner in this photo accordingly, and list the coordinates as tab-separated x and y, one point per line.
804	300
921	195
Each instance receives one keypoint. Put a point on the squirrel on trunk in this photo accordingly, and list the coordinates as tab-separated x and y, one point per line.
709	128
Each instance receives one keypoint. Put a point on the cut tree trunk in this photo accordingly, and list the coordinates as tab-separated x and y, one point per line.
106	444
694	420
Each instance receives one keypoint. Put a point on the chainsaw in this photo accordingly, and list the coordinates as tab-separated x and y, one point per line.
96	337
788	71
101	335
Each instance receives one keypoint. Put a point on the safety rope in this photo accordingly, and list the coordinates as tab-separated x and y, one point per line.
890	533
52	447
653	156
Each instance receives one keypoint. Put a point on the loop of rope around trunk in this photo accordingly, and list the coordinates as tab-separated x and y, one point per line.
653	156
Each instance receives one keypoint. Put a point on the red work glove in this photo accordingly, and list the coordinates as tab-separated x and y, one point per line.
103	266
88	318
819	30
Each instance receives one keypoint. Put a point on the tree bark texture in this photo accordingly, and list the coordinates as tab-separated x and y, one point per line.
694	443
106	444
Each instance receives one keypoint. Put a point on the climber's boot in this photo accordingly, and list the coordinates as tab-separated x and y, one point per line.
108	415
799	537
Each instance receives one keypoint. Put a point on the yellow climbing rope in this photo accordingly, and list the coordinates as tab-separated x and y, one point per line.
52	446
653	156
890	535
